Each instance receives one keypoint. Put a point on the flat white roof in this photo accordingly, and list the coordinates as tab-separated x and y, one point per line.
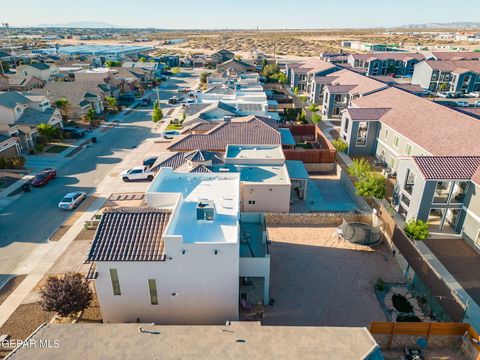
254	152
221	189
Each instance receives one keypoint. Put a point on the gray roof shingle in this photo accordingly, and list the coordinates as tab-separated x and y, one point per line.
130	234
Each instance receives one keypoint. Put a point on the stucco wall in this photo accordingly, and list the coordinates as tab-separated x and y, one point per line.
321	219
268	198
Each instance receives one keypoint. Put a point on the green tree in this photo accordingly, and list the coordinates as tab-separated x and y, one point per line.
157	113
203	77
63	105
48	131
111	101
282	78
264	63
176	70
66	295
360	168
417	229
316	118
142	60
113	63
312	108
373	185
295	91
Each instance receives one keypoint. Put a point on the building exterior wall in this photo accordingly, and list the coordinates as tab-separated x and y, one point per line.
470	218
9	148
349	132
267	197
422	75
197	287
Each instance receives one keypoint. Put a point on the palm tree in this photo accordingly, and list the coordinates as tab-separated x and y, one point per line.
63	105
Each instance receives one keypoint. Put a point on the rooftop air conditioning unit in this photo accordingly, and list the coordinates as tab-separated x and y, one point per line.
205	210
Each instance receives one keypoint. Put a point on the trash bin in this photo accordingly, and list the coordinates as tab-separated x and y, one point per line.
93	139
26	187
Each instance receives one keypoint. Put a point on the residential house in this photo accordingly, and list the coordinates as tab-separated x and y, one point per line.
169	60
153	67
302	75
398	64
40	71
81	95
150	267
334	57
345	86
221	56
458	76
266	178
9	146
20	115
234	67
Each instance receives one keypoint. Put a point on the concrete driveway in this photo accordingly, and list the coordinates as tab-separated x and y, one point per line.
317	280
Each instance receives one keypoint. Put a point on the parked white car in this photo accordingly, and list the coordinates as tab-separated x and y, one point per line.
462	104
137	173
475	94
72	200
477	103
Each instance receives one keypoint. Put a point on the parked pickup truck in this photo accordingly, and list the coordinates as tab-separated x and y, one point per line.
138	173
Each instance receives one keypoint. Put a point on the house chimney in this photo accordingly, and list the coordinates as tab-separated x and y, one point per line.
227	118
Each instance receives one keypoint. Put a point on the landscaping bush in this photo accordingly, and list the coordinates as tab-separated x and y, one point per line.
157	113
39	148
340	145
417	229
380	285
67	295
303	98
373	185
316	118
360	168
17	162
41	140
313	108
47	131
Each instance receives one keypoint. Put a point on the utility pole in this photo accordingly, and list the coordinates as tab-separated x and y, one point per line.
158	96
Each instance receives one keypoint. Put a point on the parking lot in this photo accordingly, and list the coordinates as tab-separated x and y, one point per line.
318	280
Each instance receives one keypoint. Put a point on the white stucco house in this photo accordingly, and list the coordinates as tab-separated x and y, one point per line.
180	259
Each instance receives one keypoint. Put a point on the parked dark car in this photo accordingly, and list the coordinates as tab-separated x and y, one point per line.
173	100
145	101
149	161
43	177
74	132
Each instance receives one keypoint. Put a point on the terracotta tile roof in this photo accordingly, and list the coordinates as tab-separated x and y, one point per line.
174	161
178	159
437	129
458	66
456	55
313	65
204	126
130	234
447	167
248	130
412	88
472	111
366	113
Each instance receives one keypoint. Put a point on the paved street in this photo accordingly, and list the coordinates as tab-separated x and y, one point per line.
29	221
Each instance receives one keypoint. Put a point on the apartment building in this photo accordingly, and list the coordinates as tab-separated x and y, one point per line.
301	75
433	150
458	76
454	55
385	63
150	267
343	87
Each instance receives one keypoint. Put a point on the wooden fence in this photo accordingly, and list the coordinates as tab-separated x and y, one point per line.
310	156
425	330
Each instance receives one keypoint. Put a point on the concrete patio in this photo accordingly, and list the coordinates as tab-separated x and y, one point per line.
319	280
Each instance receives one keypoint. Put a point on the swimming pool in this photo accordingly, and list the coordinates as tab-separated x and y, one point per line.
329	195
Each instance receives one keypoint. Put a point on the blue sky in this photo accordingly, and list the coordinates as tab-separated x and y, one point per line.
246	14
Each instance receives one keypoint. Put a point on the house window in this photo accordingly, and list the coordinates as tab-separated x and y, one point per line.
115	282
442	190
152	287
362	133
251	202
395	141
408	149
458	193
409	182
386	134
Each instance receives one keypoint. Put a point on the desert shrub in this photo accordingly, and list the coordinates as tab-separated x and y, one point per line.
316	118
340	145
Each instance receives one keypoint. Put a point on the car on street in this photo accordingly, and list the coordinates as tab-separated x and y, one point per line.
150	160
145	101
475	94
72	200
181	90
43	177
169	134
173	100
477	103
74	133
462	104
137	173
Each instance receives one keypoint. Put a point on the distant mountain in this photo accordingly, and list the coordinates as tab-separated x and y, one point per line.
80	24
452	25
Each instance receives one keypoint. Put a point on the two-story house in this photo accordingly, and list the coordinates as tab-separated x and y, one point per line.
302	75
32	76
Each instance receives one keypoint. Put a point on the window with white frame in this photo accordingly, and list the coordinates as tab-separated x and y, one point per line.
396	140
408	149
362	133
